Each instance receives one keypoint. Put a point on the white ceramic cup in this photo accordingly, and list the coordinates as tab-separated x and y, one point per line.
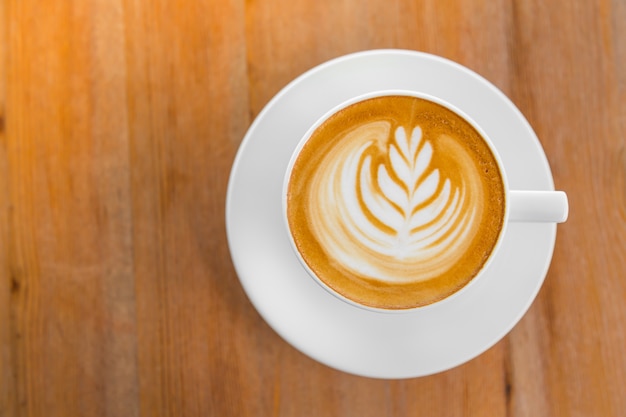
526	206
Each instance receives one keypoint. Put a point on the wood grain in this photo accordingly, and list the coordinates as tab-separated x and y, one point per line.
119	122
72	301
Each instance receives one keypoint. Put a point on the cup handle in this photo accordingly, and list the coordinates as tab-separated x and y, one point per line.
538	206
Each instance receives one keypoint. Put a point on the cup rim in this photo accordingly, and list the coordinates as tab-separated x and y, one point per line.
385	93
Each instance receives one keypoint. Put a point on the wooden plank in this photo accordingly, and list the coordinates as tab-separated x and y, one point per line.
187	114
7	371
72	322
565	78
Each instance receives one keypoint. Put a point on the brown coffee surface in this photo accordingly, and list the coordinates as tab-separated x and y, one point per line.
395	202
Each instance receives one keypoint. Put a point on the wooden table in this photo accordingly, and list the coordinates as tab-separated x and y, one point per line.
119	122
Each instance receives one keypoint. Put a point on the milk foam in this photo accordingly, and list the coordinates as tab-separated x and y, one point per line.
385	209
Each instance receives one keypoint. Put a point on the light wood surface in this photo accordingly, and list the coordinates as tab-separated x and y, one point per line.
119	122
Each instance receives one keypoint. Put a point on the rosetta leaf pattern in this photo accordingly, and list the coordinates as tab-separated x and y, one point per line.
389	206
408	195
404	181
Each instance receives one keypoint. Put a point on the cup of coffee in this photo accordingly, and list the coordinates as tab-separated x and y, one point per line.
397	200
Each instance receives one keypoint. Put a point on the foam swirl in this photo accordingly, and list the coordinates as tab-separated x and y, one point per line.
388	208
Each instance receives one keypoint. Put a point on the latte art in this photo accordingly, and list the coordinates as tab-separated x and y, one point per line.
385	211
395	202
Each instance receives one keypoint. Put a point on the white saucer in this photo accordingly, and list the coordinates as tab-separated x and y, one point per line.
320	325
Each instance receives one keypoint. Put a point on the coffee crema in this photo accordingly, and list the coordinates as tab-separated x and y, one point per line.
395	202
